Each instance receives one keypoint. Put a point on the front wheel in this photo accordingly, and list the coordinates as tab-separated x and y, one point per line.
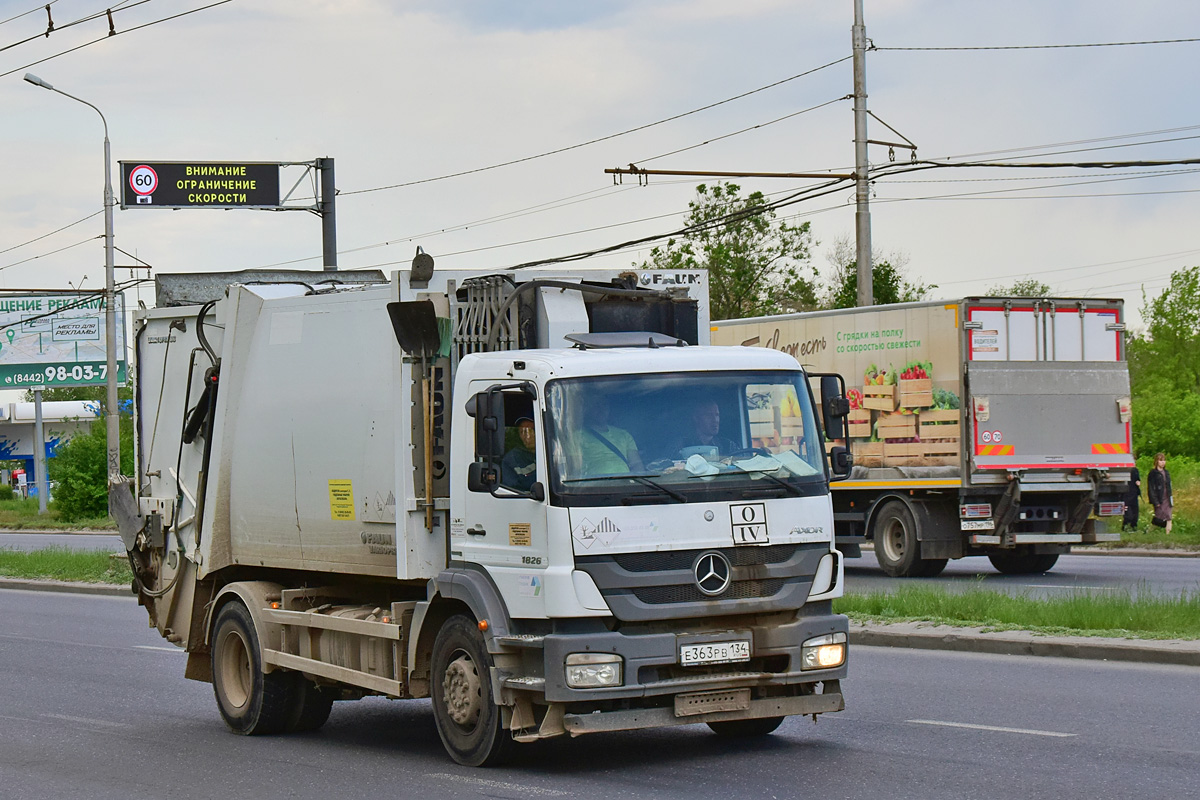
468	720
745	728
1023	563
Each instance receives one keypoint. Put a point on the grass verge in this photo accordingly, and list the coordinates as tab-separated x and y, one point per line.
62	564
20	515
1110	614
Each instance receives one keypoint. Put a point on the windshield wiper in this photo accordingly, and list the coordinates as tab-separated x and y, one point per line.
795	492
643	479
670	492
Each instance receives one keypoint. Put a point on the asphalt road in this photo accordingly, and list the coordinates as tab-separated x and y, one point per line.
94	705
1086	573
1099	573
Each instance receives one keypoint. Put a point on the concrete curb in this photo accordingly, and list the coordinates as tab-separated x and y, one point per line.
112	590
1094	550
927	636
913	635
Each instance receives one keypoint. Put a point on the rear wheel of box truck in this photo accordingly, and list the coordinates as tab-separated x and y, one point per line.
468	720
1023	563
898	546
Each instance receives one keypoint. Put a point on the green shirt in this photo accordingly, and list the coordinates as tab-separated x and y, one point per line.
598	458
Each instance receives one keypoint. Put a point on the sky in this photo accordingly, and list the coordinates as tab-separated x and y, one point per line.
401	94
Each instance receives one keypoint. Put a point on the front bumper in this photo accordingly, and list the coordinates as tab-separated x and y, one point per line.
651	668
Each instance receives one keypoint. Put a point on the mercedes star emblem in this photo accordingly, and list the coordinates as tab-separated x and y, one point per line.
713	573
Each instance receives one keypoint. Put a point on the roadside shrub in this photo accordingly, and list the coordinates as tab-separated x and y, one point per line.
79	468
6	492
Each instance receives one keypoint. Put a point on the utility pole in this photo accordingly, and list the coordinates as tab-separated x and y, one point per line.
328	214
862	186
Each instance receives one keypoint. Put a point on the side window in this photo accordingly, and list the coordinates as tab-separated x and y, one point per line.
518	466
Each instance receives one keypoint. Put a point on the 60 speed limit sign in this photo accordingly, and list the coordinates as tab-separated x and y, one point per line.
143	180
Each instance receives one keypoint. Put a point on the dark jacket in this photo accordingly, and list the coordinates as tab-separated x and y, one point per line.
1159	487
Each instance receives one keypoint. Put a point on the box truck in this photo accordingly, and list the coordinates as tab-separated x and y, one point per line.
995	426
506	493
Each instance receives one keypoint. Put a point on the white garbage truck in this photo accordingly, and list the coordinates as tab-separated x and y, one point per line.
995	426
539	499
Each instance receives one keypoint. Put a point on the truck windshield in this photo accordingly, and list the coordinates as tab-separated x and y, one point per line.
692	437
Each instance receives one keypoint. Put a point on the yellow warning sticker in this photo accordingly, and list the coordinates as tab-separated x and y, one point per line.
519	534
341	499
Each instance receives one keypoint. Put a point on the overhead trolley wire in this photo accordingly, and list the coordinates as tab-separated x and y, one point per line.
116	33
34	10
56	28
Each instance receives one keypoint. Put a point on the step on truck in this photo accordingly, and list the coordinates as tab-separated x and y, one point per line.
995	426
539	499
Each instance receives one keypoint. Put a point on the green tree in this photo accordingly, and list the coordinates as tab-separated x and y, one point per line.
79	468
1028	287
756	264
889	283
1164	369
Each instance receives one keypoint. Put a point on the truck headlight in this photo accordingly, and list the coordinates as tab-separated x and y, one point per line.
593	670
823	652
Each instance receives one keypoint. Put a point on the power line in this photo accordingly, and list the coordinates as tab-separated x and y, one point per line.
1075	142
744	130
116	33
1039	46
600	139
84	299
52	252
51	233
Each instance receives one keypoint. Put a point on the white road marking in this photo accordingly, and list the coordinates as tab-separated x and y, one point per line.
1072	586
87	721
514	787
1026	731
152	647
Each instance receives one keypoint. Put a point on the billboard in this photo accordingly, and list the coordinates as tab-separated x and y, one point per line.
199	184
57	340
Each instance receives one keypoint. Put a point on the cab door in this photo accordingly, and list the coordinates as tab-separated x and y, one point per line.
502	528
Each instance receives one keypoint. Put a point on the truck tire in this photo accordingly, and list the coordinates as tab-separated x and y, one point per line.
312	706
468	720
745	728
896	546
1019	563
251	702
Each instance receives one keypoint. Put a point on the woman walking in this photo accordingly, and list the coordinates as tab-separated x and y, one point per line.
1159	492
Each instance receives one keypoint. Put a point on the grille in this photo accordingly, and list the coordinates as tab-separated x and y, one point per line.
688	593
683	559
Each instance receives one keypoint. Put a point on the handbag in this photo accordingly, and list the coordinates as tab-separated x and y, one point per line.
1158	522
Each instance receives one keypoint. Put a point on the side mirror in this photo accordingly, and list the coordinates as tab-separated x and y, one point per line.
537	491
835	406
488	410
482	477
841	462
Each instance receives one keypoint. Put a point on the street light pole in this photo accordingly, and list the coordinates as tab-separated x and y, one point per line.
112	427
